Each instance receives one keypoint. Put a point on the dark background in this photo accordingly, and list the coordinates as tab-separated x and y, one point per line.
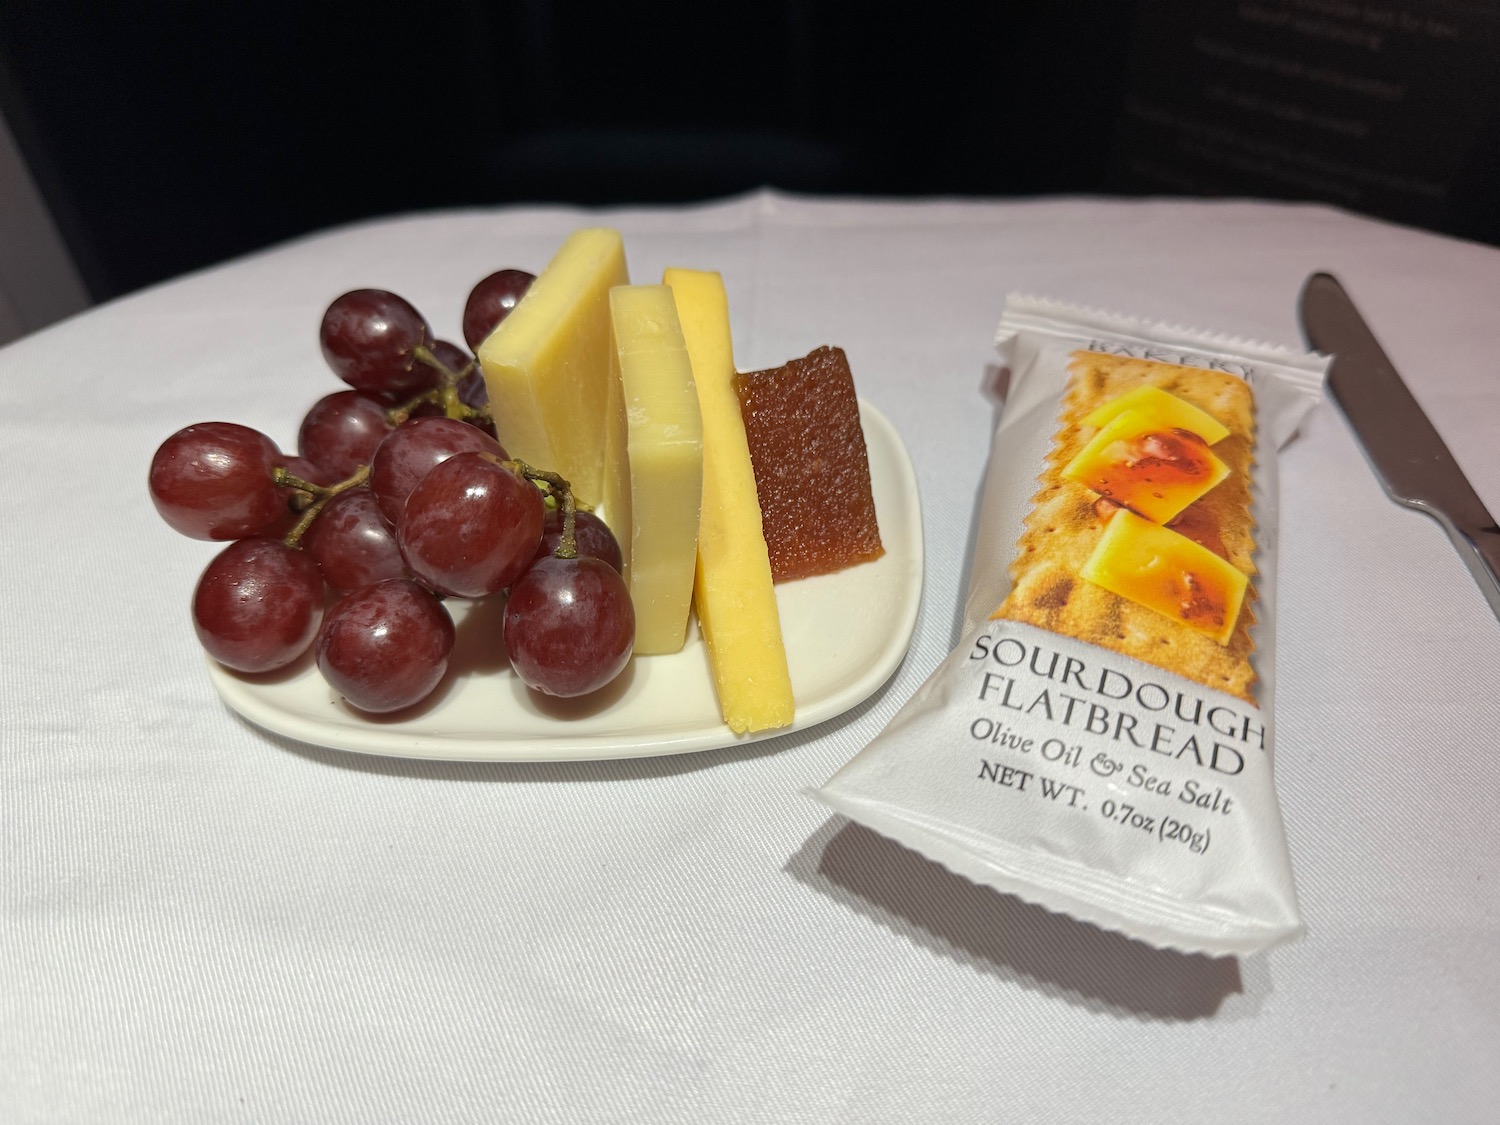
168	135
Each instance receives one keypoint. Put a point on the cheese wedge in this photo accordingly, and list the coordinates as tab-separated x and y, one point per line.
546	366
663	436
733	595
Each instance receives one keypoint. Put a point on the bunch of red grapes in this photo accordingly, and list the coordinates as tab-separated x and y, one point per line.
399	497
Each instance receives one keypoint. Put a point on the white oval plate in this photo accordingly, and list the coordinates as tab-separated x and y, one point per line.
845	634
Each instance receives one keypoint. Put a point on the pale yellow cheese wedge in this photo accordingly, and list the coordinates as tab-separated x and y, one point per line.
733	595
546	365
664	453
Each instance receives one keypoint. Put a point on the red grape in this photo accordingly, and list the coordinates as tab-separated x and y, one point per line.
369	338
214	481
258	605
412	450
473	391
451	356
386	646
352	543
471	527
490	302
569	626
341	432
591	536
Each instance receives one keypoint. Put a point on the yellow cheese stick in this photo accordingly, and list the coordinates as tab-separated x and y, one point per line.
732	592
664	456
546	366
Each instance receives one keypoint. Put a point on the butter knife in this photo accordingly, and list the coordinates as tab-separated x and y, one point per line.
1408	456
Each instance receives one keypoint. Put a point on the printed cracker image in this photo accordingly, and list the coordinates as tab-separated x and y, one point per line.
1140	538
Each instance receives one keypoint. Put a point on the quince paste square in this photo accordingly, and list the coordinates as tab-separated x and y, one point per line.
812	470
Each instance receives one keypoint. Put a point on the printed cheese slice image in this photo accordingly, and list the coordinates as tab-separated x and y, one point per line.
1165	410
1167	572
546	366
662	478
733	595
1144	463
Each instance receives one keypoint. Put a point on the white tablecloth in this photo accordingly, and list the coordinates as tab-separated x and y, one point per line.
202	922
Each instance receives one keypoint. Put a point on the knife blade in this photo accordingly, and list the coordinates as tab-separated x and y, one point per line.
1409	457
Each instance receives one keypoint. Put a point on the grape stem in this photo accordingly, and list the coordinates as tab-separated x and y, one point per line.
445	394
567	547
320	494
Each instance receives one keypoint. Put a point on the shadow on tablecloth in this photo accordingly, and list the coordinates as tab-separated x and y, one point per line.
998	933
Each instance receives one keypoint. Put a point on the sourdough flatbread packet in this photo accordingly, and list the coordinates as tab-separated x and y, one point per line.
1100	742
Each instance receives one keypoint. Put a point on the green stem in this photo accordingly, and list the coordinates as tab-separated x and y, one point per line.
399	415
321	495
563	492
445	393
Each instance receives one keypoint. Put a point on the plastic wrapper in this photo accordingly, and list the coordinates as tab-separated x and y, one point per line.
1101	741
